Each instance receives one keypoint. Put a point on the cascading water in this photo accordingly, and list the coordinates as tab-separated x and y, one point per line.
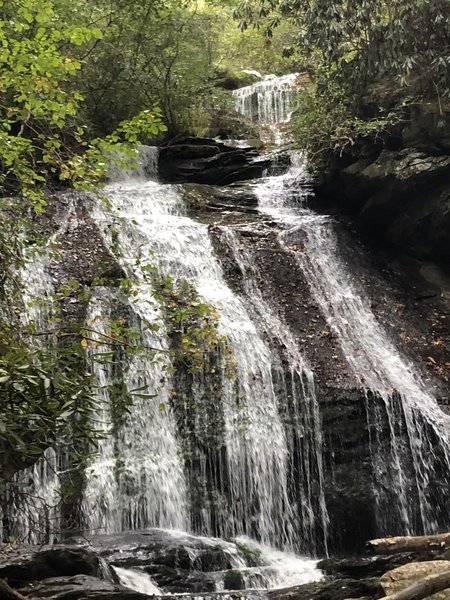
137	581
136	478
270	101
145	167
33	497
254	471
372	356
236	448
297	393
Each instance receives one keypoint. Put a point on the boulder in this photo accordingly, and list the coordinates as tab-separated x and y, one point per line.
232	124
233	580
77	587
338	589
240	197
371	566
54	562
428	128
176	563
232	80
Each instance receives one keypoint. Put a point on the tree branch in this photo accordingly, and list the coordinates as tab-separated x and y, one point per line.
395	545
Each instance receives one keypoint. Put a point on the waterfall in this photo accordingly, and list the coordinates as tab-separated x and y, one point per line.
270	101
372	356
146	166
33	497
135	479
249	483
297	392
256	451
234	449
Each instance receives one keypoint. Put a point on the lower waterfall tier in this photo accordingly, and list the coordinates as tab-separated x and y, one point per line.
295	429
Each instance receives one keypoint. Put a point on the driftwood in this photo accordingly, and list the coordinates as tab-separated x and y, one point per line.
395	545
424	588
7	593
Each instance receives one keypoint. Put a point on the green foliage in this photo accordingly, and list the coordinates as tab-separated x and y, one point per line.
46	387
406	41
47	395
41	137
325	126
252	49
253	556
193	324
151	53
368	60
35	105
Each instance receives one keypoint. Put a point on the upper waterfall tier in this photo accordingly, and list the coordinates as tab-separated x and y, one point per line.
270	101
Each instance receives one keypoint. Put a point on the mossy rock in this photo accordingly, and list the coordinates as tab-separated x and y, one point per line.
233	580
233	80
252	556
229	124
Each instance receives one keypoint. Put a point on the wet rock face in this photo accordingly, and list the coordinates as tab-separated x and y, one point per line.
428	129
207	161
176	564
76	587
350	417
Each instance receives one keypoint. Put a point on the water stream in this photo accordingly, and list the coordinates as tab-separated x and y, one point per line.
254	468
372	356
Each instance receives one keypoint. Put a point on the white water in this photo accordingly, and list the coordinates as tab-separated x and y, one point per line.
136	479
152	228
137	581
372	356
270	101
146	166
140	478
279	569
151	218
369	351
33	496
275	568
303	407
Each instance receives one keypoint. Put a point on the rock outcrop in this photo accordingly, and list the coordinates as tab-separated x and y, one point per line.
406	196
232	80
203	160
399	193
402	577
229	124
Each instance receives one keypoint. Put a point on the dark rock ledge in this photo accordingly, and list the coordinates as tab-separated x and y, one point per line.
71	572
208	161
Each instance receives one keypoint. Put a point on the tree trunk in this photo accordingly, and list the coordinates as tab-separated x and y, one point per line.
396	545
7	593
424	588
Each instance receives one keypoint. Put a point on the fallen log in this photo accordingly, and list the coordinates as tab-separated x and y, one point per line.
394	545
7	593
423	589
